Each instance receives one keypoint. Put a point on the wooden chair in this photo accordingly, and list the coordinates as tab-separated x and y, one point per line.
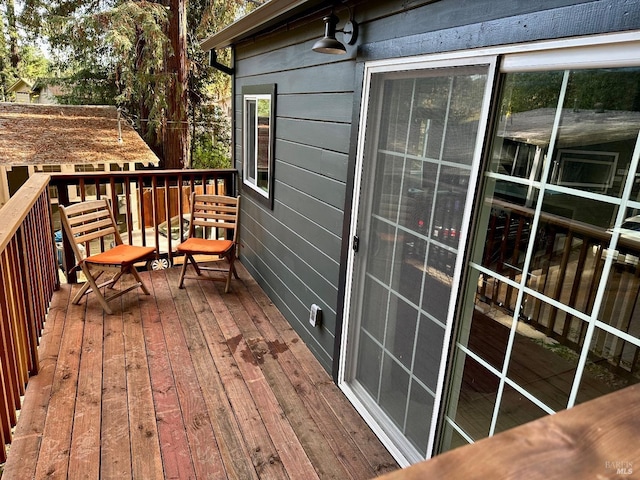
211	212
92	223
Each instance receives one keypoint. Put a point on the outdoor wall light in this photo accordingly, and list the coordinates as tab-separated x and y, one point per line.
329	44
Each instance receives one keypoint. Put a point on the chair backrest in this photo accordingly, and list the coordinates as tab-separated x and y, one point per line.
213	212
88	223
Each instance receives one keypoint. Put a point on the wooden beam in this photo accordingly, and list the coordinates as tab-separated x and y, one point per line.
597	439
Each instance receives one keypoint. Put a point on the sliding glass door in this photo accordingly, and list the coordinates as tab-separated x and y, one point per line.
424	130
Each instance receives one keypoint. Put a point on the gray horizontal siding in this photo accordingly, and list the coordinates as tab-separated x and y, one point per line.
324	225
291	283
292	266
295	249
314	159
322	190
325	107
384	20
330	77
292	57
329	136
481	24
309	241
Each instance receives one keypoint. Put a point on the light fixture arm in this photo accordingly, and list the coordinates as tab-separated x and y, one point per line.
350	32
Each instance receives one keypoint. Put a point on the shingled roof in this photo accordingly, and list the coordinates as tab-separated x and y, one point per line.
32	134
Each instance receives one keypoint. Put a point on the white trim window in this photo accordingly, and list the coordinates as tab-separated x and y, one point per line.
258	106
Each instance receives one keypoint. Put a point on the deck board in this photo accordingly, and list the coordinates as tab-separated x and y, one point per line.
183	384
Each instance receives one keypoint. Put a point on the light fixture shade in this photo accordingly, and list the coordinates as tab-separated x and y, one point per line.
329	44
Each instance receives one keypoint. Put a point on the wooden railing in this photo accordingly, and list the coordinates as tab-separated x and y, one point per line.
28	278
567	267
142	200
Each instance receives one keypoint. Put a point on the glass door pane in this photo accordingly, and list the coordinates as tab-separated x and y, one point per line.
549	319
422	142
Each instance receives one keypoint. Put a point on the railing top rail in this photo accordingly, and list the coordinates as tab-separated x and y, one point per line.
13	213
76	176
575	226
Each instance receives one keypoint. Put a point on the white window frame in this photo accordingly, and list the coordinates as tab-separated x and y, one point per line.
250	159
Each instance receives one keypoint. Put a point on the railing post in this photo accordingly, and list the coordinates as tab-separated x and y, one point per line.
68	259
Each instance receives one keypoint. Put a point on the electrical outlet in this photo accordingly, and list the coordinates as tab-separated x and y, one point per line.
315	315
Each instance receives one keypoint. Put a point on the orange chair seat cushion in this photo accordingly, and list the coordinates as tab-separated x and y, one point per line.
205	246
121	254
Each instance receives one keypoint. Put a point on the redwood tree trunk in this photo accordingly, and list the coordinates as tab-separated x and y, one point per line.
176	144
14	54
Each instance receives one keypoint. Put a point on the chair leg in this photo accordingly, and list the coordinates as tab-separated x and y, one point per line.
136	275
195	265
115	278
94	287
183	270
84	290
232	269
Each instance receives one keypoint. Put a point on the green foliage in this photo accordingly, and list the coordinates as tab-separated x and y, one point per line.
33	64
210	152
211	143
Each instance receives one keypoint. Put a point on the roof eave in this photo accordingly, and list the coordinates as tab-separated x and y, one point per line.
261	18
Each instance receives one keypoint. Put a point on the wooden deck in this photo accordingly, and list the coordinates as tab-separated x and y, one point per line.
185	384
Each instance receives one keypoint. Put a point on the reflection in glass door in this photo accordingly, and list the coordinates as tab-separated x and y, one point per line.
424	133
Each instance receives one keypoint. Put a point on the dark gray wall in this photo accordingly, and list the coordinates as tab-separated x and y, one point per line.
297	251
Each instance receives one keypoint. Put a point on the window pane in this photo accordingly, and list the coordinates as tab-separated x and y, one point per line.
516	409
375	309
397	109
567	257
369	362
427	356
612	365
264	143
488	334
527	108
597	130
419	416
476	389
250	139
401	330
388	182
451	439
394	389
543	366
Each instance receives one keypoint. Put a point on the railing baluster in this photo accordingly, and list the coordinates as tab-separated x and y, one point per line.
27	281
18	313
12	366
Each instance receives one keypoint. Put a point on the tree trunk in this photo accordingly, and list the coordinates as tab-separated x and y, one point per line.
14	54
176	145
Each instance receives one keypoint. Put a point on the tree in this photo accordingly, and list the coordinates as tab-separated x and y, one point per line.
177	131
148	52
18	58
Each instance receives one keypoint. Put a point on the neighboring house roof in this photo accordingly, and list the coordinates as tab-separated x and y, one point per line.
263	17
42	85
20	84
32	134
